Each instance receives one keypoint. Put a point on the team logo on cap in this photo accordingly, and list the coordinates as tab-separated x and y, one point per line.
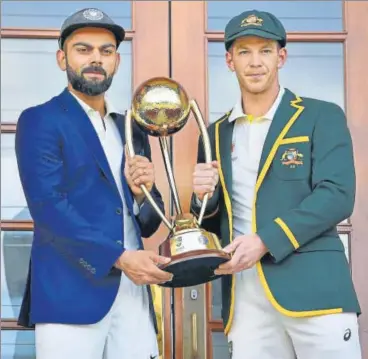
252	20
93	14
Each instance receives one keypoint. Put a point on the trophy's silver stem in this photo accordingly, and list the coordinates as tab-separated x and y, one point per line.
129	142
207	150
165	154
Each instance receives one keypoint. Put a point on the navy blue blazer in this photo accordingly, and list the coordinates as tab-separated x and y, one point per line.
77	212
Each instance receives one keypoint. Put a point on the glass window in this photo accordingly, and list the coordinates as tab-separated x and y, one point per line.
220	347
295	15
18	344
315	70
312	70
15	254
30	76
13	202
51	14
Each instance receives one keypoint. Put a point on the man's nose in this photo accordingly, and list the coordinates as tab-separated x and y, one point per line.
96	57
255	60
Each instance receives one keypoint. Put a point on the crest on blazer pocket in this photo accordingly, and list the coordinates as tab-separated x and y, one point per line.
292	158
292	162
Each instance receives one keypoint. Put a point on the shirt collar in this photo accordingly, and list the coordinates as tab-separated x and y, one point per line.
238	112
88	109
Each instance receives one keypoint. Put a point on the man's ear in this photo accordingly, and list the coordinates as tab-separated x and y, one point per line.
282	57
61	59
117	64
229	60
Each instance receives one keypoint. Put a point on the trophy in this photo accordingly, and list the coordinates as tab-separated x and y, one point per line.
161	107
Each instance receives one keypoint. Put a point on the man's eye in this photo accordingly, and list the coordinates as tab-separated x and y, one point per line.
107	52
243	52
266	51
81	49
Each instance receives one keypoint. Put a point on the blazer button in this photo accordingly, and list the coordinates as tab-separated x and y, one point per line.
119	211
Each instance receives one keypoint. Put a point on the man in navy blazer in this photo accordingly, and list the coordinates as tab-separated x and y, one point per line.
87	292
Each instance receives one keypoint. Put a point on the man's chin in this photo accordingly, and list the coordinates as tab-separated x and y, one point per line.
94	80
256	88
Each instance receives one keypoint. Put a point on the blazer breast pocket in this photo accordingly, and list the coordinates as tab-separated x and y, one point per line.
292	161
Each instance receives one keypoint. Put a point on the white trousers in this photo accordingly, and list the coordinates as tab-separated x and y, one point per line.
259	331
126	332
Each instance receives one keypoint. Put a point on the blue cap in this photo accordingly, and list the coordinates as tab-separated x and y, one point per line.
90	17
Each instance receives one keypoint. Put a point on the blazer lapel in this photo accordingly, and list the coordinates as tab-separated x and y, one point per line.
120	124
224	135
75	114
288	112
128	195
138	136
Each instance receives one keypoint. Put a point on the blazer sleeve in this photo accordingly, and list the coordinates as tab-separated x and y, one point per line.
147	218
333	188
40	162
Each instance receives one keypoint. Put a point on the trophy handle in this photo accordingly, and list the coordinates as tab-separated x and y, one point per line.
129	142
170	175
207	149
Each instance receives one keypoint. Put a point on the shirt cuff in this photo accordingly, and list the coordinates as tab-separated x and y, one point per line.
198	202
137	208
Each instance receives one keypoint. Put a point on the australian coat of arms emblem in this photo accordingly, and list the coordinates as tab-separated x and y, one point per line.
292	158
252	20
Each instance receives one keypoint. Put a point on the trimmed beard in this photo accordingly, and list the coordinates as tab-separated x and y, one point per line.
88	87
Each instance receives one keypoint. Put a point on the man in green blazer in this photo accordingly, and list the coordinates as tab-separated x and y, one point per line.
281	179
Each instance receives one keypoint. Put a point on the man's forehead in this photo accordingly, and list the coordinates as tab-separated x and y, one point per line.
253	40
92	35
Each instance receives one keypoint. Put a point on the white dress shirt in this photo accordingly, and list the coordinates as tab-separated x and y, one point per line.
112	145
247	146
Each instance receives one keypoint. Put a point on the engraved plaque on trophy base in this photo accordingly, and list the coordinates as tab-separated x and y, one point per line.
195	254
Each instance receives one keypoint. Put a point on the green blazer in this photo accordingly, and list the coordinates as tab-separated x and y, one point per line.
305	187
